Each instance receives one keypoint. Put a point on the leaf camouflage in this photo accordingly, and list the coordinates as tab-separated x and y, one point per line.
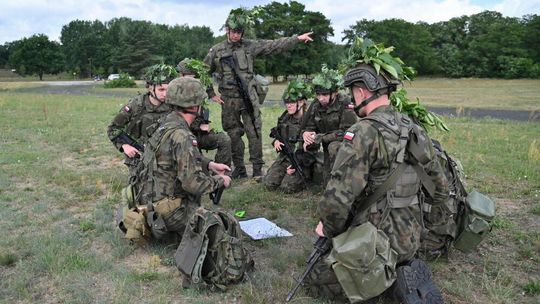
297	89
417	111
328	79
201	71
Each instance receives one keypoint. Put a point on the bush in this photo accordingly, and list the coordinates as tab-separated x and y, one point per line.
125	81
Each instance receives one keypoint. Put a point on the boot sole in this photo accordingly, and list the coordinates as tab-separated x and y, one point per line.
415	286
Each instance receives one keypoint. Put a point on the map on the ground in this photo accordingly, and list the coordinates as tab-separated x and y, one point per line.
261	228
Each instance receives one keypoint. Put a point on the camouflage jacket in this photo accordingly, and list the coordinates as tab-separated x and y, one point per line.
202	118
332	120
288	126
176	167
365	160
136	119
244	53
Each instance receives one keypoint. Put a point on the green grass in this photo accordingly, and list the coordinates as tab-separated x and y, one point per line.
60	181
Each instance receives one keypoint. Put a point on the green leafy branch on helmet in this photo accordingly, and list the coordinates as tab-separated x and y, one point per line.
417	111
242	18
202	72
297	89
366	51
328	79
160	73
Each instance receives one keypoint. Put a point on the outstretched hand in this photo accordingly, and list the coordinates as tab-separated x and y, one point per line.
306	37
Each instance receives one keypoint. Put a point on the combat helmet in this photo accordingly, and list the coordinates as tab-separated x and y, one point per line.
327	81
158	74
295	90
237	19
373	81
185	92
184	67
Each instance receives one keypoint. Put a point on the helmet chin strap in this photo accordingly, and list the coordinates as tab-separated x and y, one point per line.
364	102
154	95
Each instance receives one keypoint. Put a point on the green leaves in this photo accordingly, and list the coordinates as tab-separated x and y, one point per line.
201	71
417	111
328	79
242	18
297	89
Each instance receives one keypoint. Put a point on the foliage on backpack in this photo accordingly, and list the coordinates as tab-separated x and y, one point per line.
125	81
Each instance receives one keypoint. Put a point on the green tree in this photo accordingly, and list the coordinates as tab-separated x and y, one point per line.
286	19
37	55
531	36
83	44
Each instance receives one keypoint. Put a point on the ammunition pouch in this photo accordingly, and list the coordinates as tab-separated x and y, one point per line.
363	261
134	226
166	215
475	221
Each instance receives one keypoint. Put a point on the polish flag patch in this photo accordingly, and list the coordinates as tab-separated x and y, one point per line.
350	106
126	108
194	143
348	136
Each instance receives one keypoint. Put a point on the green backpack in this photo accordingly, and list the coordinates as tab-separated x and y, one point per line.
211	250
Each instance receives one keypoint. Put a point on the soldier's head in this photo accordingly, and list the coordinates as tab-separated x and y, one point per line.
326	85
295	96
366	85
157	78
184	68
236	24
186	95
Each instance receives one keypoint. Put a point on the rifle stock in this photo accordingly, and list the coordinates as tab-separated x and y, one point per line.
126	139
288	151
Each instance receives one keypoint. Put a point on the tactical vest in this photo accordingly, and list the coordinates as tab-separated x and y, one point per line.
143	122
211	250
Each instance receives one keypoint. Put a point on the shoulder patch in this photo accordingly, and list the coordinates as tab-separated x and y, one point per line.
194	143
126	109
349	106
348	135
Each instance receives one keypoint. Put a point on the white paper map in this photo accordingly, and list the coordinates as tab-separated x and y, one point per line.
261	228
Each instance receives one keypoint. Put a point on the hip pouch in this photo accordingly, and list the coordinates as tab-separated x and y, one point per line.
363	261
475	221
166	215
134	226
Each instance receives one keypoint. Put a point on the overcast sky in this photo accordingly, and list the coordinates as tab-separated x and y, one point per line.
24	18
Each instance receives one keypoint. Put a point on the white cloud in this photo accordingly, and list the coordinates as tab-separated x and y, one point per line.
20	19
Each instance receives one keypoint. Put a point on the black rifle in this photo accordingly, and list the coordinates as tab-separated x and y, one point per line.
321	246
216	195
243	89
123	138
288	151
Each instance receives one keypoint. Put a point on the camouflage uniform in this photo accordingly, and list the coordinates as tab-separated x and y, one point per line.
329	123
174	168
211	140
137	119
276	176
234	118
364	162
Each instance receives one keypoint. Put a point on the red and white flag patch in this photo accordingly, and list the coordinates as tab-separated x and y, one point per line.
349	136
350	106
126	108
194	143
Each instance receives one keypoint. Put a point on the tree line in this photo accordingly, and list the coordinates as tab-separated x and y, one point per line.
481	45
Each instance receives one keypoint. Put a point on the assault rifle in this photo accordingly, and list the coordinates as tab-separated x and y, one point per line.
288	151
321	246
243	89
123	138
216	195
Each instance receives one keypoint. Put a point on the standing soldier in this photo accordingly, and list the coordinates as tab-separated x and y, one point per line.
281	174
208	139
232	61
133	125
175	174
327	118
373	199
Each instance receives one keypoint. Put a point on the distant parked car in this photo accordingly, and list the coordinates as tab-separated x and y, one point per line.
113	76
97	78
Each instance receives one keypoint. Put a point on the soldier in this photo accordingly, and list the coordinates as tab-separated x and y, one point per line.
132	126
281	174
208	139
374	184
232	61
327	118
175	174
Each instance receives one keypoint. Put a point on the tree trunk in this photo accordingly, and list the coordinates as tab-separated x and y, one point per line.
40	76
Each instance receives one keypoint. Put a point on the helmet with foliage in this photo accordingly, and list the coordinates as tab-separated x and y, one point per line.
373	81
327	81
199	69
295	90
183	67
160	74
241	18
185	92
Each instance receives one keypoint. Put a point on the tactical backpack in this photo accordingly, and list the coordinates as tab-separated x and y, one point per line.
462	222
211	250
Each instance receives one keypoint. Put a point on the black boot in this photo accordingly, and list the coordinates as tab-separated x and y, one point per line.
257	171
415	286
239	172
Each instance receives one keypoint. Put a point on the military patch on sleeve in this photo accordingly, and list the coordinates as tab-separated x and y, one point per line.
348	136
350	106
194	143
126	108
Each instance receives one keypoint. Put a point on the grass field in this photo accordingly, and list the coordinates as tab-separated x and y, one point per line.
60	181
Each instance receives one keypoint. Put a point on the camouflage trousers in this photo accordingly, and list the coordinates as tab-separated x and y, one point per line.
277	178
219	141
402	226
236	121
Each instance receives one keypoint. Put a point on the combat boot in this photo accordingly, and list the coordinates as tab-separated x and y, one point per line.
415	286
239	172
257	171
